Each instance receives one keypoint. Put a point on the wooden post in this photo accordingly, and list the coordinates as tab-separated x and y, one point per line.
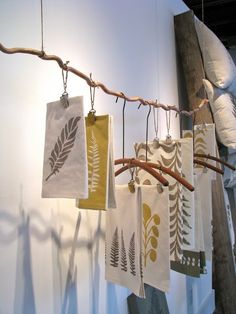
224	274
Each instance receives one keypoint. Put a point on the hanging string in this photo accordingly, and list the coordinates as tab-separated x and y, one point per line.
155	122
168	123
147	123
123	130
42	23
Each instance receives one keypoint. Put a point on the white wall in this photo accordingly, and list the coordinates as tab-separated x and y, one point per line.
51	259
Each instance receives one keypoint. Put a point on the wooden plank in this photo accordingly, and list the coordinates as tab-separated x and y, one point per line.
224	276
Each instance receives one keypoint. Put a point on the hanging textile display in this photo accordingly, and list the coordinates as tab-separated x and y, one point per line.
100	164
155	236
65	162
193	261
204	143
169	154
123	240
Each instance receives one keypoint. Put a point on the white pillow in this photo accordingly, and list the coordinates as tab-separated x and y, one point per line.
223	106
219	66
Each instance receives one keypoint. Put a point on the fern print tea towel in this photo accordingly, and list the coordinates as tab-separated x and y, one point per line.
169	154
101	176
123	241
155	237
188	213
65	171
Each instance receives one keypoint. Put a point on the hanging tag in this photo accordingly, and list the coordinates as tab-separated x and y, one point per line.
156	142
131	186
64	100
91	117
168	139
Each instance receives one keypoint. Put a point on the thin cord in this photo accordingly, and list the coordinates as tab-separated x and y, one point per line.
147	129
123	135
42	34
155	121
168	122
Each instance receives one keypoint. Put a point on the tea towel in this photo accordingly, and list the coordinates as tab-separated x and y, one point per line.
204	143
155	236
204	183
169	154
65	171
101	176
123	240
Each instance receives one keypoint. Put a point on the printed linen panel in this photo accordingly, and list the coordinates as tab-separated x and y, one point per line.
193	261
192	264
169	154
101	177
188	207
155	236
204	143
123	240
65	172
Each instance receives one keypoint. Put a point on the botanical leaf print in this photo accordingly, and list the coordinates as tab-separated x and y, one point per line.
114	254
176	225
63	146
185	216
150	234
132	254
200	145
123	254
93	163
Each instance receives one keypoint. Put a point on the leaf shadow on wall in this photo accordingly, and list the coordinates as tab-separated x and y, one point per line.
24	300
25	227
94	269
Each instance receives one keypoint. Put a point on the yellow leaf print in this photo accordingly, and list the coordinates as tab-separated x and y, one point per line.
150	234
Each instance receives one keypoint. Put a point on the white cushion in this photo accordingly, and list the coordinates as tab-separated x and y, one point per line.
219	66
223	106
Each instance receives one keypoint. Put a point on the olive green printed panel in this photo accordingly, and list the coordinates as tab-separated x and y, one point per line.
189	264
150	235
97	154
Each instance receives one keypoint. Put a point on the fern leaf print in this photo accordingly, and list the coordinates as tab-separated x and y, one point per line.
93	164
132	255
114	253
63	146
123	254
176	224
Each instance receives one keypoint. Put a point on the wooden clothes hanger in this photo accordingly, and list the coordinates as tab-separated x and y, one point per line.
149	165
132	162
207	165
208	156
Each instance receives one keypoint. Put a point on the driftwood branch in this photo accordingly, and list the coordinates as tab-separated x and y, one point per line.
92	83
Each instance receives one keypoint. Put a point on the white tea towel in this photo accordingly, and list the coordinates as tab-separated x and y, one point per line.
101	181
65	171
123	240
204	183
169	154
155	236
204	143
188	213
